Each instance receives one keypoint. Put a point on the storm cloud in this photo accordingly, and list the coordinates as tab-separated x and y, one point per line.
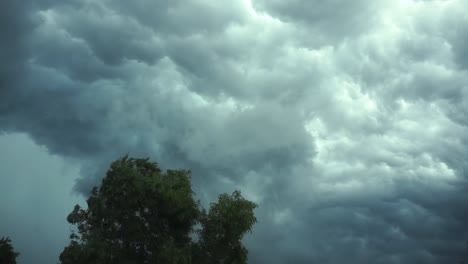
345	121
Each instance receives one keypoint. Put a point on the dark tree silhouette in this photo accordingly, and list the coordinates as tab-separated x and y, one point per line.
7	253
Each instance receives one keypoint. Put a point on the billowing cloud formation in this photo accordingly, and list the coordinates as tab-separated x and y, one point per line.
346	122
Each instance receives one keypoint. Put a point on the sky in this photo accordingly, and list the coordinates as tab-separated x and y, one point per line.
346	121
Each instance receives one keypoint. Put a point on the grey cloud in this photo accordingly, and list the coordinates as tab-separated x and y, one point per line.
109	36
180	17
453	29
13	28
326	21
461	54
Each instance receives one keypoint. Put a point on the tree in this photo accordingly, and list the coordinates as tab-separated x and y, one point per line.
7	253
140	214
224	226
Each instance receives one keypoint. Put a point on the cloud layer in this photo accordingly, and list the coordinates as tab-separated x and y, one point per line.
346	122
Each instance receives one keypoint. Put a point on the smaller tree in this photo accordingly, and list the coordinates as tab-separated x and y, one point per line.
7	253
224	226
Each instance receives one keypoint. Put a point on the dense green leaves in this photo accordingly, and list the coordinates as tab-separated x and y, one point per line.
224	226
7	253
143	215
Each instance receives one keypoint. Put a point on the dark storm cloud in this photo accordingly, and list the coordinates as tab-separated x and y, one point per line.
13	29
345	122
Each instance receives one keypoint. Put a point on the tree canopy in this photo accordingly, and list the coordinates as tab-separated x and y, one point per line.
141	214
7	253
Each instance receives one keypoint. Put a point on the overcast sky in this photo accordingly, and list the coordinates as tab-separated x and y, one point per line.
346	121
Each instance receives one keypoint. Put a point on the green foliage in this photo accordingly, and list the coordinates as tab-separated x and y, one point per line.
7	253
143	215
224	226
